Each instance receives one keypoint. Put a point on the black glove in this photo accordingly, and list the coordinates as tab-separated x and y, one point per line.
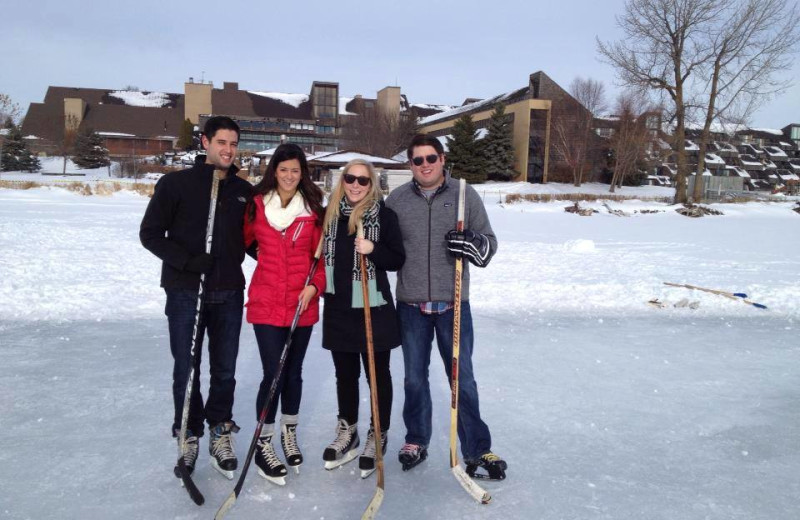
200	264
470	245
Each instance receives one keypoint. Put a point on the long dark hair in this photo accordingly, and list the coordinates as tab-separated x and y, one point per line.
310	191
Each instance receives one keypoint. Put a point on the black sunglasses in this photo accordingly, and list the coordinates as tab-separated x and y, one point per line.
432	158
349	178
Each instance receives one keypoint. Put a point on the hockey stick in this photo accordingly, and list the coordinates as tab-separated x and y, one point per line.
223	509
377	498
186	478
477	492
742	297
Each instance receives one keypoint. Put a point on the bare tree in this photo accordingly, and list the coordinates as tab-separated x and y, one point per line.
573	122
749	48
665	42
377	133
632	138
8	110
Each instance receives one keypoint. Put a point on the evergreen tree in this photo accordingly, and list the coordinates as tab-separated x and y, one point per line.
498	149
186	134
89	150
465	152
15	153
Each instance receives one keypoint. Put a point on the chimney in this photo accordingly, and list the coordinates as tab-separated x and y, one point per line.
230	85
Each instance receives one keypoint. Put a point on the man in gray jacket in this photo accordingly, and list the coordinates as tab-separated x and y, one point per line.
427	210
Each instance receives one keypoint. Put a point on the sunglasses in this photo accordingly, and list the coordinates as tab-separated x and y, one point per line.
432	158
350	179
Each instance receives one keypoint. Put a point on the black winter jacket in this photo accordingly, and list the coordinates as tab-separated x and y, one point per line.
343	326
175	222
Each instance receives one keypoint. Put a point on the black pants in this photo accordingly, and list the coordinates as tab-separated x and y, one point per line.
290	386
348	371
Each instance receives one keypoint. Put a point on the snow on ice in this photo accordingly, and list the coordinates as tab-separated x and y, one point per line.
604	406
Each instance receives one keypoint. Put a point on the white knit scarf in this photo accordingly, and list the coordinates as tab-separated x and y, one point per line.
279	217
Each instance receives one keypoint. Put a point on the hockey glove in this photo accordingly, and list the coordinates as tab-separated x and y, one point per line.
470	245
200	264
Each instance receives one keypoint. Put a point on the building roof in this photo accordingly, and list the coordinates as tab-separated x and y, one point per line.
342	157
540	86
139	113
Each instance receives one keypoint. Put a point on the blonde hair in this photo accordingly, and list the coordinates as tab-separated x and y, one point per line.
374	194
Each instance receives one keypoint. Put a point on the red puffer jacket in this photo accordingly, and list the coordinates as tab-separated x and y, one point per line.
284	259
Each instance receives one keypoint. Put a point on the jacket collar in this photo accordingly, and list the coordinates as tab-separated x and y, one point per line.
442	187
200	164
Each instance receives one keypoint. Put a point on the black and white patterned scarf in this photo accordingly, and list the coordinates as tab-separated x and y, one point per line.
372	232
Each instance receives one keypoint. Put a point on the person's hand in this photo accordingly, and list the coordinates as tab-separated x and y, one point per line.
364	246
306	296
468	244
200	264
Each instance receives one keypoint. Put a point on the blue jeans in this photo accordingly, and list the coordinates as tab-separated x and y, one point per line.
221	316
416	333
290	386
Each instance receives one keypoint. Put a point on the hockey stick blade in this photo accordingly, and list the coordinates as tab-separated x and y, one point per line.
189	484
470	486
374	505
223	509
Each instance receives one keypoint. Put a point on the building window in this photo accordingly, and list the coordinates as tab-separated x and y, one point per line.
796	133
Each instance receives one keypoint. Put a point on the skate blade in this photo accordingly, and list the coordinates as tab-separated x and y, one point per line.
365	473
296	469
278	481
225	473
347	457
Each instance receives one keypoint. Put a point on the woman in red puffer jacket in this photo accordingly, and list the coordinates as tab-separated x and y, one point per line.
285	220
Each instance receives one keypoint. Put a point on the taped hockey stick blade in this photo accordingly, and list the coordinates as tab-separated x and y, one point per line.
470	486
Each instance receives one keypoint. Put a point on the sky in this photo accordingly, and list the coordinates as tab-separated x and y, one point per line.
436	51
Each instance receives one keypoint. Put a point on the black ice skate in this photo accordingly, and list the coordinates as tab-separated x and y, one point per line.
411	455
220	446
494	468
269	466
343	449
290	449
189	454
366	463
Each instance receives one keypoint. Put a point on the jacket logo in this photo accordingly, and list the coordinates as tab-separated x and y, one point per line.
241	199
448	204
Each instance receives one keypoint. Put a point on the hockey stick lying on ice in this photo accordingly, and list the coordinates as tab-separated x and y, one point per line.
223	509
477	492
377	498
742	297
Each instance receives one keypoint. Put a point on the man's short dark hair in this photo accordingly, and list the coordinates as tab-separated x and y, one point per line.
220	123
424	140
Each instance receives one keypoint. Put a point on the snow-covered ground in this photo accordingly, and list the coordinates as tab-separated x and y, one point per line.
605	407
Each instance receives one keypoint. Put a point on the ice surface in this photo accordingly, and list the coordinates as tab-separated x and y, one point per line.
604	407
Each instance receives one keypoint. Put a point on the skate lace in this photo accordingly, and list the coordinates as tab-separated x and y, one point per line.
409	449
222	447
289	441
268	452
370	448
190	450
490	457
343	436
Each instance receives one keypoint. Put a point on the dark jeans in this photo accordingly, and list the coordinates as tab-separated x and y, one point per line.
221	317
416	332
348	371
290	387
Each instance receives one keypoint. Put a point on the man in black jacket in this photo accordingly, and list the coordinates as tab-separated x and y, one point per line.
174	229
